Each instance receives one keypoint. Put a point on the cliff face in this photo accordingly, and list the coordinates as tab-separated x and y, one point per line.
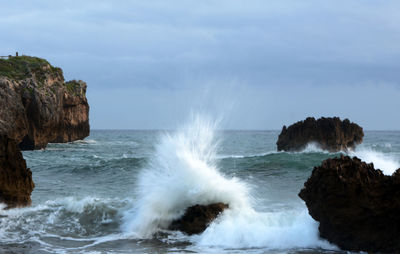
16	182
37	107
357	206
330	134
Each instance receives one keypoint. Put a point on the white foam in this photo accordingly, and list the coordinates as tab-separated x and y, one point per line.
183	173
240	156
385	162
272	230
313	147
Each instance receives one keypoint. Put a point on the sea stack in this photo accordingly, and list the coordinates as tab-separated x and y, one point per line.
356	205
37	107
328	133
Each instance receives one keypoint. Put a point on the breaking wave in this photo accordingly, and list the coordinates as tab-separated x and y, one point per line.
183	173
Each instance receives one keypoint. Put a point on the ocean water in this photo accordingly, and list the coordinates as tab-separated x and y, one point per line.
116	192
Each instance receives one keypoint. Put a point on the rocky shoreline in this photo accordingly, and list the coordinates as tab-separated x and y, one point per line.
37	107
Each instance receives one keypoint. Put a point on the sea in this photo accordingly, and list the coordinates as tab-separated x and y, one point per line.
117	191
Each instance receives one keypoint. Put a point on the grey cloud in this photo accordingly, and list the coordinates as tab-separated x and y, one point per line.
167	49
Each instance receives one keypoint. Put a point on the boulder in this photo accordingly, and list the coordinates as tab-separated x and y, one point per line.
330	134
16	182
197	218
357	206
37	107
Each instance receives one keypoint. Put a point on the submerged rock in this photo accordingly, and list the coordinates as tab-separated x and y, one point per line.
16	182
330	134
197	218
358	207
37	107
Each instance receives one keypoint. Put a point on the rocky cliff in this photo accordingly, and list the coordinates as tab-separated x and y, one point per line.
16	182
330	134
357	206
37	106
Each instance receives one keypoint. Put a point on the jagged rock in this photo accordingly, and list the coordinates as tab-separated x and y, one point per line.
197	218
330	134
358	207
37	107
16	182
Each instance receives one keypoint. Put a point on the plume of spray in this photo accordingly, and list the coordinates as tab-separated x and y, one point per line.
182	173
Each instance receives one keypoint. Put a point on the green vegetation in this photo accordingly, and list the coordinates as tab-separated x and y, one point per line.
73	87
29	90
22	67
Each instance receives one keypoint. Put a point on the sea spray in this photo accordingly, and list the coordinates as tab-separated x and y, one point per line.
182	173
293	228
385	162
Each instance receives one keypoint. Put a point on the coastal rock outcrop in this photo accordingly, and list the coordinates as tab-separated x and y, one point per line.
197	218
16	182
330	134
37	107
357	206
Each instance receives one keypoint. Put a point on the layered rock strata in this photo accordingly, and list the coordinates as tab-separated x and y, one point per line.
37	107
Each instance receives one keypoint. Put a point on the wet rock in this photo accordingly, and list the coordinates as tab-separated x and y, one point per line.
16	182
197	218
357	206
37	107
330	134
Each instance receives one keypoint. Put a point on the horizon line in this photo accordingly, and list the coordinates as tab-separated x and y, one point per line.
155	129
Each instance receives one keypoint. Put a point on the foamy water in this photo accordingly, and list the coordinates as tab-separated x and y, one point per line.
118	192
184	173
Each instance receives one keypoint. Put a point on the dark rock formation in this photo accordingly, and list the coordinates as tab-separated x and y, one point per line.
330	134
357	206
37	107
197	218
16	182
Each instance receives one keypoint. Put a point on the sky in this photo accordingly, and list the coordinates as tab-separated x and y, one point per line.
256	64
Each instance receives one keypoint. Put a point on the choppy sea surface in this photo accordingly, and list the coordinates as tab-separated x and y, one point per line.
116	191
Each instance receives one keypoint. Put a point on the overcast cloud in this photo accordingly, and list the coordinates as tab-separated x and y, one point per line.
260	64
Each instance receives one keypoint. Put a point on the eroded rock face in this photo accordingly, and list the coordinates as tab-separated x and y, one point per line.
16	182
197	218
357	206
330	134
37	107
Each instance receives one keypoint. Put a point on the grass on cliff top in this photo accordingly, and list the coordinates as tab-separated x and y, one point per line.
73	87
22	67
